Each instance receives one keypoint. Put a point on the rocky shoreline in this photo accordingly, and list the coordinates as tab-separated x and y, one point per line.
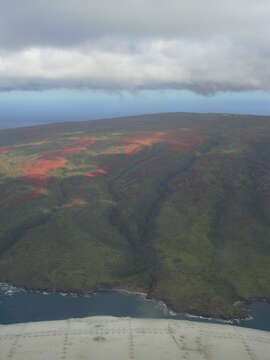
168	308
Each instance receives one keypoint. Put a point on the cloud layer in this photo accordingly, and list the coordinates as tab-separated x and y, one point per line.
204	46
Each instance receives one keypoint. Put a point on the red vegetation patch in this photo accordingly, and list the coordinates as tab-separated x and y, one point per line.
4	149
136	144
14	170
35	173
180	142
79	202
95	173
40	168
132	148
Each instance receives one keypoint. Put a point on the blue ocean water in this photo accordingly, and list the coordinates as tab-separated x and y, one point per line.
27	108
18	305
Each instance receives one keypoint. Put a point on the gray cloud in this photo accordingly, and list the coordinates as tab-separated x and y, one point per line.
204	46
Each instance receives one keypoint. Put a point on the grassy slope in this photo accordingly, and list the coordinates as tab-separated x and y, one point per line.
175	204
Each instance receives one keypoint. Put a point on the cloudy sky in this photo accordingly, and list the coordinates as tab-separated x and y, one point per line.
136	53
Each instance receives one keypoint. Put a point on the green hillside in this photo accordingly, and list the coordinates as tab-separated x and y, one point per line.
177	205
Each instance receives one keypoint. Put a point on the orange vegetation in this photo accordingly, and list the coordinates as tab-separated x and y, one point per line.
79	202
132	148
35	173
95	173
40	168
178	141
137	144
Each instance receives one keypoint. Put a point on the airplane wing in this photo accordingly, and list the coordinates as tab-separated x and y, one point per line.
112	338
